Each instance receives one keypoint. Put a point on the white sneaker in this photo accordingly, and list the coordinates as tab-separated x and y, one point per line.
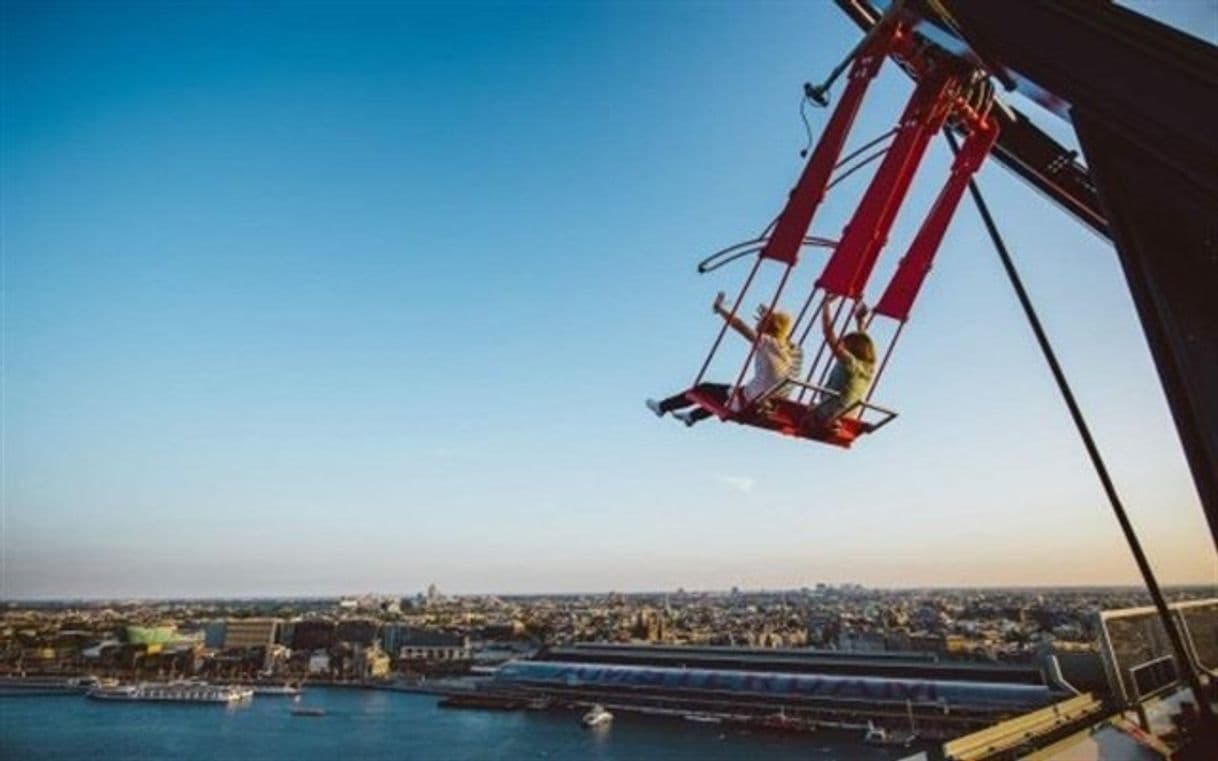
685	417
654	406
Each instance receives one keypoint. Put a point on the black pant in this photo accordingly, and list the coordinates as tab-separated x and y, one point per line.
717	391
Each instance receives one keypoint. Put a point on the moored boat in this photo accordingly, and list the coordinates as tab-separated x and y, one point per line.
702	718
277	690
308	711
172	692
876	735
483	701
780	722
596	716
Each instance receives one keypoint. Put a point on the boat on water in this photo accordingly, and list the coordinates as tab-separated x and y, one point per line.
481	700
171	692
277	690
50	685
702	718
782	723
307	710
881	736
596	716
902	738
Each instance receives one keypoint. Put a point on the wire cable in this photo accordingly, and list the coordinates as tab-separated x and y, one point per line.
865	146
803	115
855	168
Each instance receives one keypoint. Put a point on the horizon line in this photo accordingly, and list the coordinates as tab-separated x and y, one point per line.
267	597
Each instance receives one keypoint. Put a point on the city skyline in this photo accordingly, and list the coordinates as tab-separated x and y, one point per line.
680	592
305	299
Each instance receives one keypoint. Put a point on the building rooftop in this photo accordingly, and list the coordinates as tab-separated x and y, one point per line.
786	686
823	662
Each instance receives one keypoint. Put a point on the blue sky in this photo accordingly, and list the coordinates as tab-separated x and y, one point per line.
308	298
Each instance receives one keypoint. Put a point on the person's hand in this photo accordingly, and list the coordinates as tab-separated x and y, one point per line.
830	300
861	312
762	312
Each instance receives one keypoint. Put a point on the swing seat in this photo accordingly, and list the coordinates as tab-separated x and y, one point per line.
785	416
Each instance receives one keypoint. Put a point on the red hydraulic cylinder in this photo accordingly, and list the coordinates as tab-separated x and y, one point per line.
903	289
809	191
848	269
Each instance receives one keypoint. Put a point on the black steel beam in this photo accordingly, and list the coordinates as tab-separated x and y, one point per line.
1026	150
1157	85
1144	100
1166	231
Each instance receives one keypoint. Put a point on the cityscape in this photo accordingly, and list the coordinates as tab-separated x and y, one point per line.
899	669
307	304
374	637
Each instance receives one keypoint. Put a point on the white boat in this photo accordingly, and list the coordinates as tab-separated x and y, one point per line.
596	716
308	711
880	736
276	690
702	718
174	692
875	735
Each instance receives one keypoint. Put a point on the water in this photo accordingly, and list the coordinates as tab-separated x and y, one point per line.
374	725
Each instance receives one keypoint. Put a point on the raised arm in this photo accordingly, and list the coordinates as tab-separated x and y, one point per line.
831	339
739	325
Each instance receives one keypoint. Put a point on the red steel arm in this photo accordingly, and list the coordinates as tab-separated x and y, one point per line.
809	191
848	269
903	289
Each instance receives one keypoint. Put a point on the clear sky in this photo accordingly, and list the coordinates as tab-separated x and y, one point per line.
312	299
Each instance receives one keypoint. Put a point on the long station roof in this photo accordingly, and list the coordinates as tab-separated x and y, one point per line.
821	662
786	686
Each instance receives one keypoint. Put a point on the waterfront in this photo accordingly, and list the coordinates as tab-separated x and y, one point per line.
373	725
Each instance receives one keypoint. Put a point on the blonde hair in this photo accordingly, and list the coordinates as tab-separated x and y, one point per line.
859	344
777	324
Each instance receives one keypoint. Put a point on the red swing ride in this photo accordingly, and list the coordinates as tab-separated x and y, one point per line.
947	91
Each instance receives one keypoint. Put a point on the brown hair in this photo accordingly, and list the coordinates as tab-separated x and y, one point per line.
859	344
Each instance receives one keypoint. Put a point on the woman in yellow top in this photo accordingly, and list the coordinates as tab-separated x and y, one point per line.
851	374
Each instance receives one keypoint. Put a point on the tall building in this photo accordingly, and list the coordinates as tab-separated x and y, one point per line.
247	633
213	634
152	635
425	645
373	663
357	631
313	634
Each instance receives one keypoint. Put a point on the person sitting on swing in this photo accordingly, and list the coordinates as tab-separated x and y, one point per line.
775	360
851	374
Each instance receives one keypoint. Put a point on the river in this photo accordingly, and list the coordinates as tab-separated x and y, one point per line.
371	725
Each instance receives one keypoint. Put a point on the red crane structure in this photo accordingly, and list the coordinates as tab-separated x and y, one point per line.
947	89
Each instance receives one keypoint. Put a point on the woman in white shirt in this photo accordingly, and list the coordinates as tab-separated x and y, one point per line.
775	360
